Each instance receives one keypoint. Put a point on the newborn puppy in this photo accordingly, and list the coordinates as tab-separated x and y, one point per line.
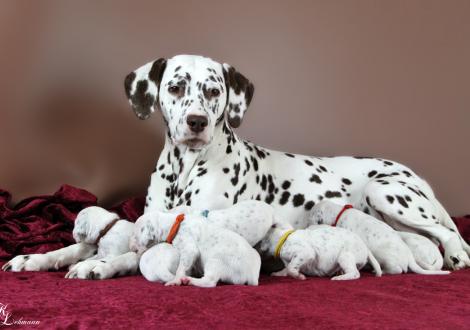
250	219
222	254
159	263
317	251
393	255
110	235
425	252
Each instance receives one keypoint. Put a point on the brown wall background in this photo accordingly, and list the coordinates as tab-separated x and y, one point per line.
382	78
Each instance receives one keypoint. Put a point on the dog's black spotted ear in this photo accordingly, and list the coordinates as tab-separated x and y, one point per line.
239	94
142	87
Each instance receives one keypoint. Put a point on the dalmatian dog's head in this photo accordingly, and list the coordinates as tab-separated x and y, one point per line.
194	93
90	222
146	232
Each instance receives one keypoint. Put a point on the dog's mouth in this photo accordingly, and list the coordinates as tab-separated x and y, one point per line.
195	143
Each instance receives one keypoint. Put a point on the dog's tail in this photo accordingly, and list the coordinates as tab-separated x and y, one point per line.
415	268
375	264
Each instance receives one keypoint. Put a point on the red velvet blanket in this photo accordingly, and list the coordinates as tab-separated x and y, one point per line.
44	223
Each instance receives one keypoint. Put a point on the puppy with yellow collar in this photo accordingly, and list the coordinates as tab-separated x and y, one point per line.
317	251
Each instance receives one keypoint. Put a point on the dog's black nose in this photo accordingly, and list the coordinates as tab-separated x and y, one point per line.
196	123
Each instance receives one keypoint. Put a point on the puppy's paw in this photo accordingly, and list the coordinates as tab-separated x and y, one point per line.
174	282
280	273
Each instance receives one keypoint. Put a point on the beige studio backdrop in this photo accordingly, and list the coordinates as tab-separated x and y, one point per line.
380	78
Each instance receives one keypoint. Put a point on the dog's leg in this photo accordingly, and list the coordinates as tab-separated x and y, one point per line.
188	254
282	272
347	262
51	260
124	264
207	281
405	206
293	268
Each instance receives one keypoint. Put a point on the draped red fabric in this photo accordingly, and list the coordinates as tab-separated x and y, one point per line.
44	223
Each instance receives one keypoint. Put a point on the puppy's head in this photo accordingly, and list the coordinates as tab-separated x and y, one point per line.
194	93
90	222
268	244
146	233
323	212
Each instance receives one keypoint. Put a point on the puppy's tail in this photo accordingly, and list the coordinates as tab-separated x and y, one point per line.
415	268
375	264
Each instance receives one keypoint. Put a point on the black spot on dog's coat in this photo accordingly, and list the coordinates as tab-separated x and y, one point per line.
371	174
298	200
315	178
332	194
284	197
346	181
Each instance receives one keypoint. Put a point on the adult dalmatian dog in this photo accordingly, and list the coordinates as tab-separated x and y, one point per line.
204	164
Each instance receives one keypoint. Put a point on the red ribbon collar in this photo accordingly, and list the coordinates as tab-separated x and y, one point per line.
345	207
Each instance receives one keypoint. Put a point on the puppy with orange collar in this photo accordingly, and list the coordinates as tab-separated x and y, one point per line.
222	255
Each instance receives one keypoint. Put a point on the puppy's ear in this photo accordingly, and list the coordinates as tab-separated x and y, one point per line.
239	94
142	86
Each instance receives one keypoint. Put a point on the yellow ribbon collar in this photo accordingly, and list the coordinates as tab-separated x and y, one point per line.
281	242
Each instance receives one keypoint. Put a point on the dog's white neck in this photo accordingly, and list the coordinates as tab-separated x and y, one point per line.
184	159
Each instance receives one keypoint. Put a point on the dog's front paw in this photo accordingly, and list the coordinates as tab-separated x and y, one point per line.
102	271
31	262
82	270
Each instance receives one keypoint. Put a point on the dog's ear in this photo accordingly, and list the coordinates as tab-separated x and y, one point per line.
239	94
142	87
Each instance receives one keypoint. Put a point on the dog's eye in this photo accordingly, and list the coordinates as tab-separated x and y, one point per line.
215	92
174	89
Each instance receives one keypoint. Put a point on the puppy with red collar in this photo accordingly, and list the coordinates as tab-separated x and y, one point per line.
393	255
221	254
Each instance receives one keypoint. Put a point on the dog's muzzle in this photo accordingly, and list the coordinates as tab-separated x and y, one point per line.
197	123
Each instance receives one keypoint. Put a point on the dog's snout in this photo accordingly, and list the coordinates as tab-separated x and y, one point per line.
197	123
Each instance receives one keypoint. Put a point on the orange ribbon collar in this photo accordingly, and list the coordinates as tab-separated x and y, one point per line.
174	229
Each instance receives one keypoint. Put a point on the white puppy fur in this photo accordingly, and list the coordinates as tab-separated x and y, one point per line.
318	251
159	263
425	252
250	219
106	258
222	254
385	243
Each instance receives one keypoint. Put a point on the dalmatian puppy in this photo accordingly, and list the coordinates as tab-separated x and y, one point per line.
159	263
317	251
425	252
393	255
221	254
102	240
205	163
250	219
